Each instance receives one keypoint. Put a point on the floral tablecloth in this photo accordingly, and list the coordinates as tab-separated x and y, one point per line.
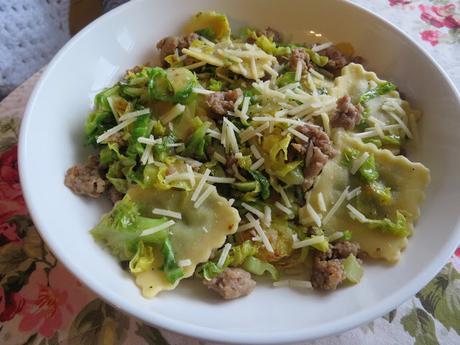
42	303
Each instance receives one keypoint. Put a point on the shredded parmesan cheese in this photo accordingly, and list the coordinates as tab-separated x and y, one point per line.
107	134
167	213
177	177
402	124
190	161
303	284
358	162
283	208
253	210
148	141
247	226
251	132
204	196
254	68
308	242
217	179
231	201
316	74
277	119
147	152
260	232
173	113
267	215
200	186
298	70
320	47
316	218
326	124
255	152
134	114
281	283
284	197
214	134
245	107
218	157
299	135
199	55
321	202
191	175
202	91
354	193
336	206
224	254
158	228
335	236
354	213
184	262
257	164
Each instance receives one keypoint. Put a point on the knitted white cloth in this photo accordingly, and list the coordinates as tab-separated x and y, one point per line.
31	32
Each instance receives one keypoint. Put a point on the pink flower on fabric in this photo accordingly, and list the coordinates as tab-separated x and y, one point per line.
45	311
452	22
8	232
11	200
50	306
11	303
426	17
431	36
440	16
399	2
444	11
9	165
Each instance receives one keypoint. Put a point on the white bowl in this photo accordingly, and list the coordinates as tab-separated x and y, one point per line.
51	141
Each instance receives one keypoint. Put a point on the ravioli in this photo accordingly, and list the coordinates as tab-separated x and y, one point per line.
193	237
355	81
407	180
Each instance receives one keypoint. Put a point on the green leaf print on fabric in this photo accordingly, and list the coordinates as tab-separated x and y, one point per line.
151	335
9	132
441	298
54	340
419	324
18	259
98	324
31	339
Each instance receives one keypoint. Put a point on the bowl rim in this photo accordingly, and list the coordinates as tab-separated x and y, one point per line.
205	333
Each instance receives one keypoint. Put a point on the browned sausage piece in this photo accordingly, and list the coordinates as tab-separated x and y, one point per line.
222	102
168	45
85	179
347	115
232	283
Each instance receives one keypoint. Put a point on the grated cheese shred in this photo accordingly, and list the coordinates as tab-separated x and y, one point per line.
158	228
224	254
204	196
322	203
336	206
200	186
167	213
260	232
357	163
316	218
283	208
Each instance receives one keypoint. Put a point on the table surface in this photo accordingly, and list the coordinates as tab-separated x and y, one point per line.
42	303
